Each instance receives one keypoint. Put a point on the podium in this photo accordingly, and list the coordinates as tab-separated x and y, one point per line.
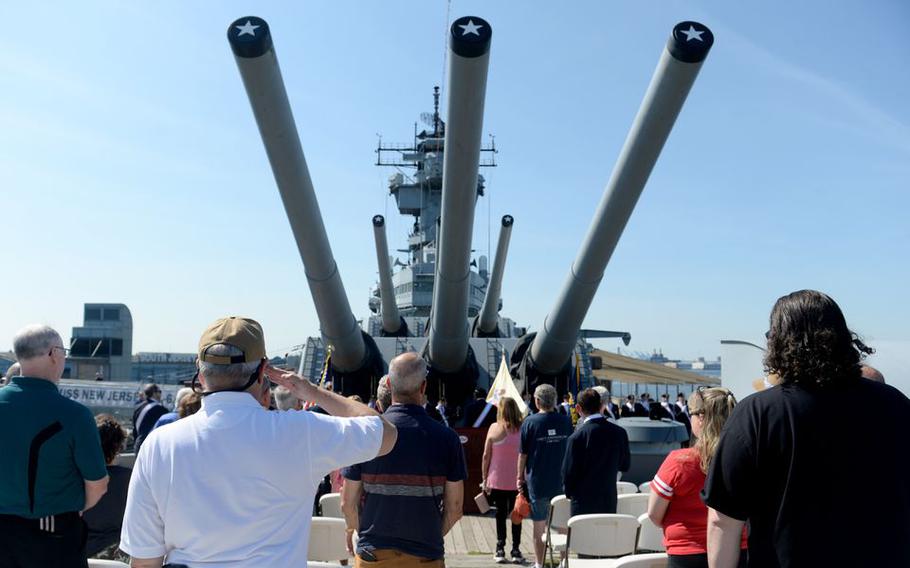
472	441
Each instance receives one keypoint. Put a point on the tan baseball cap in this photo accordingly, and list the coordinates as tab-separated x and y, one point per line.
243	333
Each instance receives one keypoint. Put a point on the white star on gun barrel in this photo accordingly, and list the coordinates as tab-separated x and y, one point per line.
692	33
469	28
247	28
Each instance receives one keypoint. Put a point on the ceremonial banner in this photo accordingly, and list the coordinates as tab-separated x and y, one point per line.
504	387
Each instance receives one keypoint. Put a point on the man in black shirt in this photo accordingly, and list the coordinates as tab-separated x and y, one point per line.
794	473
632	408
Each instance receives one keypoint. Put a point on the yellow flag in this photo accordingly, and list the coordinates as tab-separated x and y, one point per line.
504	387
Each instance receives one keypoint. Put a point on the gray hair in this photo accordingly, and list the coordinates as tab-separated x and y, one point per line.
180	394
406	373
546	397
285	399
226	376
35	340
384	393
604	395
13	371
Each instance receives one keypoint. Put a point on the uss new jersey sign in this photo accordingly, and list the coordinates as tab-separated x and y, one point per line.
110	394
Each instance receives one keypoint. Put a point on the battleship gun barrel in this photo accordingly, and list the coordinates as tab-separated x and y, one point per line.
391	318
254	53
469	57
489	316
676	72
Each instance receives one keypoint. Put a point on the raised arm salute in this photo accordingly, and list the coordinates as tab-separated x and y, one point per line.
234	464
334	404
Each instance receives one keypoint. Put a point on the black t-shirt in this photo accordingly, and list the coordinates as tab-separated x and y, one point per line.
818	489
105	519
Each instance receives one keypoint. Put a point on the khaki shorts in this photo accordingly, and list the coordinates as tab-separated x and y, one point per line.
394	559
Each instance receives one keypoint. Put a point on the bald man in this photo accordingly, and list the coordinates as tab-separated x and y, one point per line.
399	524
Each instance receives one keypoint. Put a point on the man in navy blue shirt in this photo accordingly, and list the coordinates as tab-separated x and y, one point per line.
403	503
595	453
543	448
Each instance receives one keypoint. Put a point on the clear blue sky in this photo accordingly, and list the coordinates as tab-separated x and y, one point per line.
131	169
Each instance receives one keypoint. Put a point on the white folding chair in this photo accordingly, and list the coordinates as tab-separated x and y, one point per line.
600	535
633	505
327	540
645	487
560	511
651	536
98	563
657	560
330	504
626	488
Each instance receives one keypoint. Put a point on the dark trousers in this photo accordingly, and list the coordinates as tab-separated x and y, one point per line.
697	560
33	543
504	501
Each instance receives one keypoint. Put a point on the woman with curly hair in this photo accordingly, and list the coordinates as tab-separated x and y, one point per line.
790	466
675	502
105	519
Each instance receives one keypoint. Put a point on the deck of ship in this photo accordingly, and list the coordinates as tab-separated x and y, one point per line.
472	541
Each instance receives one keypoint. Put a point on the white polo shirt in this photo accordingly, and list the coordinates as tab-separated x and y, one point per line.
233	485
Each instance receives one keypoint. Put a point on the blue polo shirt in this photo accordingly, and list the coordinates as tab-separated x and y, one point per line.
50	446
403	490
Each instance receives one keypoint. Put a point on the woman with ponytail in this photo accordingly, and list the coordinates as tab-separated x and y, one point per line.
675	503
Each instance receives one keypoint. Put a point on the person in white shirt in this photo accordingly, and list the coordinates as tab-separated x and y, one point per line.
233	485
670	408
682	405
645	402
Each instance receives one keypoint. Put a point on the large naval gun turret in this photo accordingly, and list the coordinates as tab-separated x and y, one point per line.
356	360
546	356
435	303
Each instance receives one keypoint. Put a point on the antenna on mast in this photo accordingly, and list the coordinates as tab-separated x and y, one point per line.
436	110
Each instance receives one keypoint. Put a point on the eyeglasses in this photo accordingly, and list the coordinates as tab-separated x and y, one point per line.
697	413
60	347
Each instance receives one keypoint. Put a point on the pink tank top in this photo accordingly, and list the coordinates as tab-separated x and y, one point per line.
503	470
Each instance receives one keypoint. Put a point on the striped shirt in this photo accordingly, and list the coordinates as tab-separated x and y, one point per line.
403	490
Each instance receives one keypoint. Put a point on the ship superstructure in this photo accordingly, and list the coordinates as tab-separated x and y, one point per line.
418	194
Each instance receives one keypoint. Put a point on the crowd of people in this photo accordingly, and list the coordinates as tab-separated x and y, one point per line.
230	476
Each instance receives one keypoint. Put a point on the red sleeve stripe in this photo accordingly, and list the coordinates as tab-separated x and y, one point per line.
661	487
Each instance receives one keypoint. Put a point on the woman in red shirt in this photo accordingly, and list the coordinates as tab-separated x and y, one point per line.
675	503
